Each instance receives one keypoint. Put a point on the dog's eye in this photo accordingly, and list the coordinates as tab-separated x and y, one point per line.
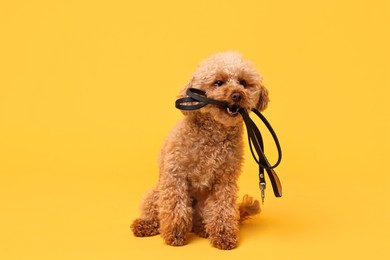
243	83
219	83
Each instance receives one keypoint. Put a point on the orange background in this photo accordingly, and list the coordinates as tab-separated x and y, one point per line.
86	98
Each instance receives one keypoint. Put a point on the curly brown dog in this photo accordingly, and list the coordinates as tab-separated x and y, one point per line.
202	158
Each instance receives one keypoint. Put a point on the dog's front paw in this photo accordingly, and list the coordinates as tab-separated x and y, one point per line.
174	236
224	239
175	240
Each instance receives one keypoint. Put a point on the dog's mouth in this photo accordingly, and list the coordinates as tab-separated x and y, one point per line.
233	110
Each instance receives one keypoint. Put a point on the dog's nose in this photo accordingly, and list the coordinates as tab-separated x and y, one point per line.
236	96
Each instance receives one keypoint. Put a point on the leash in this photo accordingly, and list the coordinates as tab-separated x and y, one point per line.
197	99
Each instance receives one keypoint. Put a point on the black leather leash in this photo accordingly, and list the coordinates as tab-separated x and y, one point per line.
197	99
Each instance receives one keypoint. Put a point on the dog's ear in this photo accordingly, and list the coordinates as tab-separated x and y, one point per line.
263	98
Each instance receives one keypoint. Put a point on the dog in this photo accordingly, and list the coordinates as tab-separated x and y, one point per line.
201	160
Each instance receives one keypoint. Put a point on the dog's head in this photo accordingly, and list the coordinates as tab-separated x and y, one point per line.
228	77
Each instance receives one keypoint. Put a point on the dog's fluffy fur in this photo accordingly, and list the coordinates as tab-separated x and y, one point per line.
201	160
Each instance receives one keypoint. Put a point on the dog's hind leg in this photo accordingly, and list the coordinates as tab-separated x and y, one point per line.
148	223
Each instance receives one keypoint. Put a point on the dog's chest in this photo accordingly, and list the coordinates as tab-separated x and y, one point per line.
213	160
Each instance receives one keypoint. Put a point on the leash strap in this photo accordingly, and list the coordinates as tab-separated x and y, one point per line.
197	99
255	140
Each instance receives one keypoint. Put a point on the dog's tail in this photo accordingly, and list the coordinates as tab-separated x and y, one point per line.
248	207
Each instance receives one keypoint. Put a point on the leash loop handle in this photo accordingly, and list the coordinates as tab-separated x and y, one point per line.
200	99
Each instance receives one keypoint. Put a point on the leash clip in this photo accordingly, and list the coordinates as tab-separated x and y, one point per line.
262	186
